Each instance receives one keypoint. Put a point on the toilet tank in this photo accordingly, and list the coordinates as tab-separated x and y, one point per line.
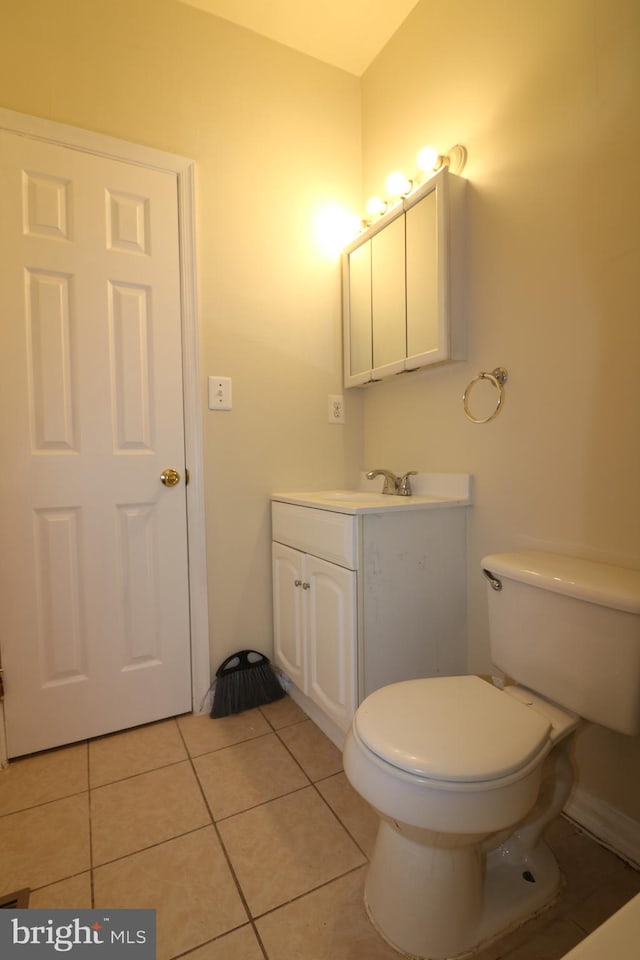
569	629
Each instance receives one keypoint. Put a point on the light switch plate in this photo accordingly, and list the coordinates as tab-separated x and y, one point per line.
219	393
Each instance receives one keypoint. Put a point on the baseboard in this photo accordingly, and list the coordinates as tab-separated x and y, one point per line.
612	828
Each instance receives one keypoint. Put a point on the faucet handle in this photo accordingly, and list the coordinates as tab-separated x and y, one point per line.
404	484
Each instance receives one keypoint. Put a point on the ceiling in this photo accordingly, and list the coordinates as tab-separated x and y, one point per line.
344	33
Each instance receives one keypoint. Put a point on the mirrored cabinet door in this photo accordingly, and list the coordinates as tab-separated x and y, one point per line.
359	349
388	300
426	337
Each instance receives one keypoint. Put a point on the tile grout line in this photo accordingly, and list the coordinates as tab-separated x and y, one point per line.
310	783
314	784
191	950
301	896
77	793
225	852
91	866
141	773
343	825
44	803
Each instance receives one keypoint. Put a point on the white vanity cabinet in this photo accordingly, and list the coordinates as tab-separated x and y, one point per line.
364	596
314	606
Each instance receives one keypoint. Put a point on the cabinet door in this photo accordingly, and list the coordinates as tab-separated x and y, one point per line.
330	631
358	350
288	638
427	333
388	299
404	285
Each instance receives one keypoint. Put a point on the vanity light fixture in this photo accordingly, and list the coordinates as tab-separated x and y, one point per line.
399	186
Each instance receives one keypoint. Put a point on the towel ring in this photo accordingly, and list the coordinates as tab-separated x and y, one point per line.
498	378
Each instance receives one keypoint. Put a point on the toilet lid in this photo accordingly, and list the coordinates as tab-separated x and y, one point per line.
450	728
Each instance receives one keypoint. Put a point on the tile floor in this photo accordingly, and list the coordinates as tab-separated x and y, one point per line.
245	837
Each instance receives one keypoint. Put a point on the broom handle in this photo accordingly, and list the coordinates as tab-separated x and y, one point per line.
242	656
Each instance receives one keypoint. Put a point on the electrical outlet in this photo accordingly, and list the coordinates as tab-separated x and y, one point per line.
219	393
336	408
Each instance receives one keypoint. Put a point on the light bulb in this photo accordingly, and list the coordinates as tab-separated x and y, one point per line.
398	185
428	159
375	207
335	228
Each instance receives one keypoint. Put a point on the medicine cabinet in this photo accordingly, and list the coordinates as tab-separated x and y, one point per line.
403	285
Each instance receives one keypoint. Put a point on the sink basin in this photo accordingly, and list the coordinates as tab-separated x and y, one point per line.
430	491
351	495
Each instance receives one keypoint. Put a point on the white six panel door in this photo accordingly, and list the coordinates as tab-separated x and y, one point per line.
94	633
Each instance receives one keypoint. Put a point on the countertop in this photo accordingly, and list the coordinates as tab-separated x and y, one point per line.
431	492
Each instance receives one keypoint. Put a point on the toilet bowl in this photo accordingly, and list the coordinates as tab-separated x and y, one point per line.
447	763
465	776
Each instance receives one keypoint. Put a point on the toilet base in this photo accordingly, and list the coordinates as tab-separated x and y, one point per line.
437	903
514	893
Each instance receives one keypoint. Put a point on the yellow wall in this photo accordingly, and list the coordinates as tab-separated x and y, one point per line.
274	135
544	94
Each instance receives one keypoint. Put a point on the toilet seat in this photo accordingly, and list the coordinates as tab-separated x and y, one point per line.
453	729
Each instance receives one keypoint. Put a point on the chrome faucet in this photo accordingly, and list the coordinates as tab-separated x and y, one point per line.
390	480
397	486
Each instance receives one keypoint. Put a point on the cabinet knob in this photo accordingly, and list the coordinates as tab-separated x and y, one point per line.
306	586
297	583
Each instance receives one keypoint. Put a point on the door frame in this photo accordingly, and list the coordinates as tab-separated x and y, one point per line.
102	145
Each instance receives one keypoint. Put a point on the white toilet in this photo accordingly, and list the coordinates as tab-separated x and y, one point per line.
465	776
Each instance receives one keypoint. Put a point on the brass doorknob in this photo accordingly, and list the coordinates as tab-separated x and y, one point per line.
170	477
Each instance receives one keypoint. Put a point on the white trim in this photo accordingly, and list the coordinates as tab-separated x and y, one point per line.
101	145
200	653
612	828
37	128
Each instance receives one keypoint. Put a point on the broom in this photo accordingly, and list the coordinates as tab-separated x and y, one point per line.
243	681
